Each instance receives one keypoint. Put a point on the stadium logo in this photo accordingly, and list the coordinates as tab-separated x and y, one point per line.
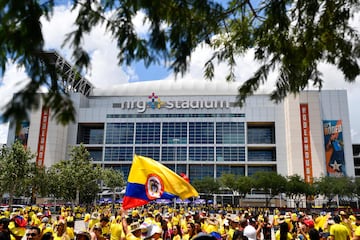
154	102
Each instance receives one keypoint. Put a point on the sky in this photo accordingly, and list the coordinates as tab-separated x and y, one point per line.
105	72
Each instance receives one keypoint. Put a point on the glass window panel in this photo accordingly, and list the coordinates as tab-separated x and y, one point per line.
356	162
118	154
168	154
205	154
124	168
200	171
95	154
253	169
201	132
261	155
90	134
230	133
120	133
227	169
96	136
233	154
151	152
174	133
261	135
180	168
147	133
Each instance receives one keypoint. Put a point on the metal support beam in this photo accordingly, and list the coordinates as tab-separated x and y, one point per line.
72	80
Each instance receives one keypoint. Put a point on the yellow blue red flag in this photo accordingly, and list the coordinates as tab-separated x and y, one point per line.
149	180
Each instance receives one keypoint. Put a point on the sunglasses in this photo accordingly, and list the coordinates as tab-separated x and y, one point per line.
31	234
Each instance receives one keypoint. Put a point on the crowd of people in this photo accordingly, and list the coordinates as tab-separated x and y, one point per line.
181	223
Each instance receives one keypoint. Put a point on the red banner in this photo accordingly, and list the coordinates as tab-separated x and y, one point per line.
42	136
306	143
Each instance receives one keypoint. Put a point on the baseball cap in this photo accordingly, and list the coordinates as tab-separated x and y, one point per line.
309	223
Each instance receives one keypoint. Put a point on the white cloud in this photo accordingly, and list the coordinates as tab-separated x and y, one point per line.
3	132
104	71
141	25
13	81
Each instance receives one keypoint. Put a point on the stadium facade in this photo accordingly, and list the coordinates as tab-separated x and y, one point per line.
197	129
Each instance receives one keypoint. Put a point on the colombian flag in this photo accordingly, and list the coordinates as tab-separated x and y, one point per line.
149	180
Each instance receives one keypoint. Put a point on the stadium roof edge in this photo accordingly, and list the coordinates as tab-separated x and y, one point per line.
72	80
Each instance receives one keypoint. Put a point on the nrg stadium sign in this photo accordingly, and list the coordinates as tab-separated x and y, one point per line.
156	103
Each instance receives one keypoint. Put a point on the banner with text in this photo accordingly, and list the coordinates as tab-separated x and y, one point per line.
306	143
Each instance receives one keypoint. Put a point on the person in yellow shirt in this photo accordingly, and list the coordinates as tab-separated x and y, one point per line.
36	219
7	213
346	222
135	215
70	219
105	227
60	231
224	229
184	221
356	235
190	234
158	219
167	218
175	220
45	226
87	220
149	218
212	225
93	220
70	232
63	212
338	231
132	232
275	222
17	227
116	230
283	232
176	233
321	220
96	232
234	225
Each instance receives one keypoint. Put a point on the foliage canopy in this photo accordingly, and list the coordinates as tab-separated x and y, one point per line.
68	179
16	170
291	37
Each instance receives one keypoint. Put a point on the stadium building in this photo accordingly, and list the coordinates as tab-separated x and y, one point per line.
196	128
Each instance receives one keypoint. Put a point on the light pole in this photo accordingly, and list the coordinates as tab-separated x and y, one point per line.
175	142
